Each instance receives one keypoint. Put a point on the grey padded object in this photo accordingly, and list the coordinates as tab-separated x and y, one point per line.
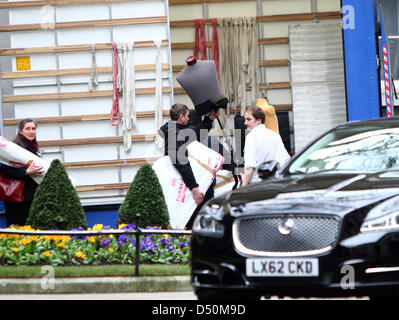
200	81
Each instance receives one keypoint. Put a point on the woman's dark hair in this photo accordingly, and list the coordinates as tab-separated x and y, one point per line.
257	113
23	122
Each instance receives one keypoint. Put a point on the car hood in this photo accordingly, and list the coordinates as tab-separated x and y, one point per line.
328	193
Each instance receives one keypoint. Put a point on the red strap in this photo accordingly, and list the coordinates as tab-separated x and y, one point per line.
196	40
202	44
200	40
215	44
115	99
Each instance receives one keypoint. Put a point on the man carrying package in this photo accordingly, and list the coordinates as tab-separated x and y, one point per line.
178	134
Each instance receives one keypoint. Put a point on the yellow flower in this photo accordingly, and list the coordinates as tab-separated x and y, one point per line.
122	225
15	250
97	227
165	235
28	228
111	249
91	239
47	253
80	255
25	241
65	238
61	244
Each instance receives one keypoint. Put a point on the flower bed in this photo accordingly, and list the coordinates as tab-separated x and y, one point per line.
92	250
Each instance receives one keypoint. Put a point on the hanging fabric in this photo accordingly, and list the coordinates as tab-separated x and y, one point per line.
215	44
159	142
239	61
126	85
115	112
200	40
93	82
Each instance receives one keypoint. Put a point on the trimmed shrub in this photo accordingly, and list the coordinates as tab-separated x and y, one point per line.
56	204
145	196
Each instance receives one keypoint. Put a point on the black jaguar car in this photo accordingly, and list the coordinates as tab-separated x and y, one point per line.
324	225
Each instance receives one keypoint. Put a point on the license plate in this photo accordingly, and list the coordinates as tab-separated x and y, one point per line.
282	267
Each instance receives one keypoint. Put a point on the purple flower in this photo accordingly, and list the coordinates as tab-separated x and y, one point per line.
123	239
165	241
75	237
171	248
106	242
148	244
182	244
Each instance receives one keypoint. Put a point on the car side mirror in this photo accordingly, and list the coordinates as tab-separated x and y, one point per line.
267	169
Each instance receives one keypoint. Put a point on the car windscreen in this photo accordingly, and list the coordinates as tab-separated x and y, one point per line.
358	149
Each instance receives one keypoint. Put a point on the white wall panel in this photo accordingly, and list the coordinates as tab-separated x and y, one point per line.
48	131
94	129
86	35
36	109
318	87
328	5
128	173
95	11
234	9
274	7
142	149
186	12
95	175
139	32
137	9
26	15
79	83
86	106
90	153
27	39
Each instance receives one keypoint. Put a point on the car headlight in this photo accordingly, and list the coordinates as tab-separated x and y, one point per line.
383	217
207	224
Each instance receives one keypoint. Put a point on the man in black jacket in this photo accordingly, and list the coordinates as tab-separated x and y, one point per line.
178	134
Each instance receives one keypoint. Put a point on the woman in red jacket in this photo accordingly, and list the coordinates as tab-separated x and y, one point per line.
17	212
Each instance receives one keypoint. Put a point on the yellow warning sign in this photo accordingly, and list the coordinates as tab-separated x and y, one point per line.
23	63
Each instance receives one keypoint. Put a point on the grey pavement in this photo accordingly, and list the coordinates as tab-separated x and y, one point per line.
56	285
109	288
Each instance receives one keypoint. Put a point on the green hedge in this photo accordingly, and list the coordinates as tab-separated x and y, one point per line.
56	204
144	196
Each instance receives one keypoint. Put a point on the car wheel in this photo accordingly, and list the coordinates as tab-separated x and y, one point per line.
219	294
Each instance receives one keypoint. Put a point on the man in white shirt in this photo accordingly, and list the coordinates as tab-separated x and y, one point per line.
261	145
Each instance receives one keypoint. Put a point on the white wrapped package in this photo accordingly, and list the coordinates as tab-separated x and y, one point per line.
13	155
204	162
224	183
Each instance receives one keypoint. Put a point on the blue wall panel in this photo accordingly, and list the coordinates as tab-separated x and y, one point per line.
360	50
106	217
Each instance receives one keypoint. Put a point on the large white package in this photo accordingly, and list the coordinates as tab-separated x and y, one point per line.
13	155
204	162
224	183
